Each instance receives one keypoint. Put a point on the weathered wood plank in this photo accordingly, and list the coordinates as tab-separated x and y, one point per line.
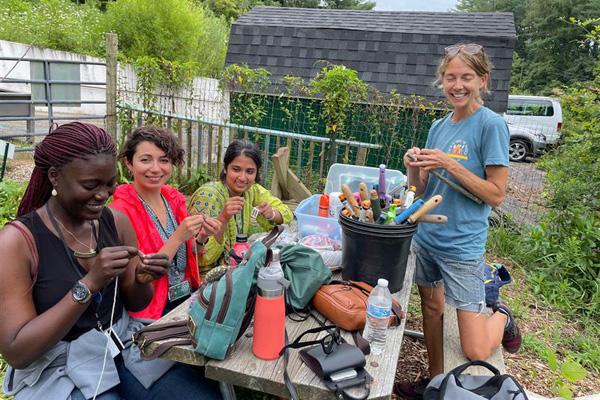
453	354
361	156
243	369
280	161
297	190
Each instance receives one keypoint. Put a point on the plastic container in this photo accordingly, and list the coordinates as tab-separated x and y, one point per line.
373	251
309	222
353	175
379	309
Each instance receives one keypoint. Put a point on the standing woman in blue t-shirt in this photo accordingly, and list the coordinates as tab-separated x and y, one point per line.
470	147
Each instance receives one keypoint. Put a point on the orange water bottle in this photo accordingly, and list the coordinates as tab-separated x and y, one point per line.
324	206
269	311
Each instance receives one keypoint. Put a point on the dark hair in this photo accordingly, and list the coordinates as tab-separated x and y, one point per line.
75	140
162	138
237	148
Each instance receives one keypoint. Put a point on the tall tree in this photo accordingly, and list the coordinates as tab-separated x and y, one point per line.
549	51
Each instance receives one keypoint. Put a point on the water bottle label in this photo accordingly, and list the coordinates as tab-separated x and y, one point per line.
379	311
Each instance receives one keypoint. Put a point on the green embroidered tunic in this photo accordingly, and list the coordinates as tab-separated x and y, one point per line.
210	199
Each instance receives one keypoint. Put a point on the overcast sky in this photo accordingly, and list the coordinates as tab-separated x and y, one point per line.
415	5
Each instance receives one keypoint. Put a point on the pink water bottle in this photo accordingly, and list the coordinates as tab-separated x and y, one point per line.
269	311
240	247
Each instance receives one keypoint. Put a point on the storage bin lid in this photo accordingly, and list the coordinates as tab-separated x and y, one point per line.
352	175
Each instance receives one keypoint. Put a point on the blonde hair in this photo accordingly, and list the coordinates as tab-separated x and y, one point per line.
479	62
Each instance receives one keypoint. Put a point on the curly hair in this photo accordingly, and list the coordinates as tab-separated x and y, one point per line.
164	139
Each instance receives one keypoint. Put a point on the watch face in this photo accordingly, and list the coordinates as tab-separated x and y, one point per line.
81	293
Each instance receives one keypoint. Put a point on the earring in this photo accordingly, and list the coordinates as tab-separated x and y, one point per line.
54	192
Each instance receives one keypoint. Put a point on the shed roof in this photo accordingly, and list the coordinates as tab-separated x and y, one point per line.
389	50
468	24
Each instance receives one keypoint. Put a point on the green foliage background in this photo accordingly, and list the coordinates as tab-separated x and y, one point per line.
176	33
549	52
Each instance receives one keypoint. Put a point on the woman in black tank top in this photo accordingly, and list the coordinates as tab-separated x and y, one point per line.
69	254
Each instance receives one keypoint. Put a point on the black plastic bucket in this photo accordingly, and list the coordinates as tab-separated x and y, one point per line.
373	251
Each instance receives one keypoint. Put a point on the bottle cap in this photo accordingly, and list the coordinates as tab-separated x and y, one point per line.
413	188
342	197
241	238
397	202
382	282
366	203
324	200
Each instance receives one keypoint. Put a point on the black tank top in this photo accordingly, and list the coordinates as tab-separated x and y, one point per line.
56	275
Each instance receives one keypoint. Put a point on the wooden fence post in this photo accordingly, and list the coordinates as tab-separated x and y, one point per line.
111	84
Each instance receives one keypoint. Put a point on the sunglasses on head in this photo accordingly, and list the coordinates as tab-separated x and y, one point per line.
471	49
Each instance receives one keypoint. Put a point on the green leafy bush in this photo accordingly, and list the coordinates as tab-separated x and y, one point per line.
10	196
177	30
57	24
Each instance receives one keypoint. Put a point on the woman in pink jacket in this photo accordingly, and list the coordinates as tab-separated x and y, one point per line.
159	216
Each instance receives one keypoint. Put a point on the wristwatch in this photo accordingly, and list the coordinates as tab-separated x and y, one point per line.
81	293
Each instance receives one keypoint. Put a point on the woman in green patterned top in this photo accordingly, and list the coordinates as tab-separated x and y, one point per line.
232	199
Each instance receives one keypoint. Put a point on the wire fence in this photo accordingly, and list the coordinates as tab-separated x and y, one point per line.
206	119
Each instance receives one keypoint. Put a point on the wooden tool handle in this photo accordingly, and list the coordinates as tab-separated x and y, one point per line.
428	206
364	191
350	198
433	219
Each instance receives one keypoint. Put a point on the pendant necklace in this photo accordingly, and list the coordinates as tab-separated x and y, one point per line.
78	254
96	297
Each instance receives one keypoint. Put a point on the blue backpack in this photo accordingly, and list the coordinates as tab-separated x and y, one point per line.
224	307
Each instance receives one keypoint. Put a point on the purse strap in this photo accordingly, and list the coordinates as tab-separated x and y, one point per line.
340	388
170	330
272	236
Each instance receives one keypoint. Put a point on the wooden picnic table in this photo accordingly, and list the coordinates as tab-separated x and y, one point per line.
242	368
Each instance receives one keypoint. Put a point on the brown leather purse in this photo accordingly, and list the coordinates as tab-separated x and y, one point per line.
345	304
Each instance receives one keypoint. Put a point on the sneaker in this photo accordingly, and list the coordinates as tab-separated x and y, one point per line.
511	341
411	390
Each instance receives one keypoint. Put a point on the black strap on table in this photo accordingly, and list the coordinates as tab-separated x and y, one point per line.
338	387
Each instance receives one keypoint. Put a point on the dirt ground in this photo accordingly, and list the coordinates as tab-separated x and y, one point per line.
531	371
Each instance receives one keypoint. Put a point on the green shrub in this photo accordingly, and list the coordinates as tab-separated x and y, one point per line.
177	30
57	24
10	196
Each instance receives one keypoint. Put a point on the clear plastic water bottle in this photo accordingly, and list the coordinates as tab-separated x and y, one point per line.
379	309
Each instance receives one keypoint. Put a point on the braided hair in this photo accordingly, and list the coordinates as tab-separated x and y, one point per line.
62	145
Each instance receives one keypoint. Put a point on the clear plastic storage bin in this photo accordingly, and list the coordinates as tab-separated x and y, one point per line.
309	222
352	175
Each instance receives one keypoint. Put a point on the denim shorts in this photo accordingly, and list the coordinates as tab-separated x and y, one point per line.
463	280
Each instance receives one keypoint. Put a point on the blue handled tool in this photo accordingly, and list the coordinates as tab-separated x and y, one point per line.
403	216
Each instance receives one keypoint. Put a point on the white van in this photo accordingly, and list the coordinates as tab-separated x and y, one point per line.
539	114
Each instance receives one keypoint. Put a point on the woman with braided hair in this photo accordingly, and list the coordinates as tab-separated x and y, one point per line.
71	271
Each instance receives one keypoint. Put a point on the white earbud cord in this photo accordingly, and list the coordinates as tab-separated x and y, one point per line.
109	331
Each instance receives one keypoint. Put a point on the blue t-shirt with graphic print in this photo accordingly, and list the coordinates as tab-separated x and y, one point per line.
477	141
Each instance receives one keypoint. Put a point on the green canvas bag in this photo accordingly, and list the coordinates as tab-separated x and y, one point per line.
305	270
224	307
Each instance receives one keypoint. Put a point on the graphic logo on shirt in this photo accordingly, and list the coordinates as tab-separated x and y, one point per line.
459	149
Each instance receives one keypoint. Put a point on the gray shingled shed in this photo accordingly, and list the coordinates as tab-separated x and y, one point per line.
390	50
